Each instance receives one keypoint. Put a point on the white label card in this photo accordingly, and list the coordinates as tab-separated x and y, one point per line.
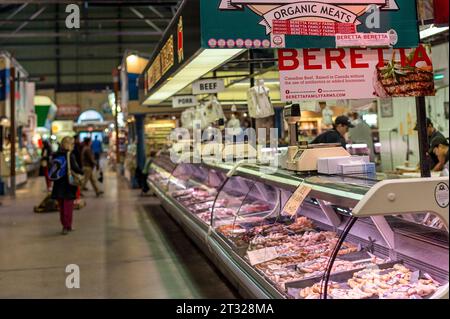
262	255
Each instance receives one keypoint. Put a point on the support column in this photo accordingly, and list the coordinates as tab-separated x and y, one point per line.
423	137
140	140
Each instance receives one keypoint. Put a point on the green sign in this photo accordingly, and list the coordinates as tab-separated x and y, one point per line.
305	24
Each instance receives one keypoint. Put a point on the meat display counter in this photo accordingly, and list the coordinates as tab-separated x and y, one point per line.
351	237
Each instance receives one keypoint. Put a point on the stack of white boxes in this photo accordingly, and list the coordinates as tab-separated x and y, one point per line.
345	165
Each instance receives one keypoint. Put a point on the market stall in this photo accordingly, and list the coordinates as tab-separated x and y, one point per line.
289	228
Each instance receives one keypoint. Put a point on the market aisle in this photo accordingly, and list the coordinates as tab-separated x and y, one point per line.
126	247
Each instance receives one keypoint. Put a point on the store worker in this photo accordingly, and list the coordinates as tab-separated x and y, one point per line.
337	134
433	133
439	147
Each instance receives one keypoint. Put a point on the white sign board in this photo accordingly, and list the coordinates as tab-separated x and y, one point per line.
208	86
324	74
184	101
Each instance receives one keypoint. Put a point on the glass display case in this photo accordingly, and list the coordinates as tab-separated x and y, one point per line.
351	237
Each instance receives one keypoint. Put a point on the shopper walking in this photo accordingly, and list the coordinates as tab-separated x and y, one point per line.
45	161
63	164
78	148
89	163
337	134
97	149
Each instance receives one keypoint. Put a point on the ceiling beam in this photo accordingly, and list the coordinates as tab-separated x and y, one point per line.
142	17
24	24
89	19
8	18
81	44
72	34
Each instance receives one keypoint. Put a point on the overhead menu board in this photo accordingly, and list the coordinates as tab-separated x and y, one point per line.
304	23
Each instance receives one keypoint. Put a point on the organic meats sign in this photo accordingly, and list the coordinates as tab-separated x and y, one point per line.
304	23
312	74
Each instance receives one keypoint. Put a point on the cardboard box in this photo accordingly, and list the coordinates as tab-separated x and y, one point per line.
330	165
356	168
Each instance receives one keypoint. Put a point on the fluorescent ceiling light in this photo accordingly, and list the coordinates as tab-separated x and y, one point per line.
206	61
266	82
432	30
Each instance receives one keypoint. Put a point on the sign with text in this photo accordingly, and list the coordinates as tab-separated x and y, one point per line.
262	255
327	74
296	200
208	86
253	23
68	111
184	101
364	40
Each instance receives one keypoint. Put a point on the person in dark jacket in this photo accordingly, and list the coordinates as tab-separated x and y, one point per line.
89	163
433	134
63	191
337	134
45	161
78	148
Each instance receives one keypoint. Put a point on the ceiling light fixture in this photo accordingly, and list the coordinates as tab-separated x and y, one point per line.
432	30
203	63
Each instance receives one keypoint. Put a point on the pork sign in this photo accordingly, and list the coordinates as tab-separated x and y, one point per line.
311	74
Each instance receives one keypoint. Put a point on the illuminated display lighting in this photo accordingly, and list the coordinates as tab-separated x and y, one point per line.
206	61
432	30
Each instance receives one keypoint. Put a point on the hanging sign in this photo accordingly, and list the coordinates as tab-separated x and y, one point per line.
208	86
326	74
296	200
303	23
184	101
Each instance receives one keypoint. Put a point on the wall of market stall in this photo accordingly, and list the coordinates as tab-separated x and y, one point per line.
403	117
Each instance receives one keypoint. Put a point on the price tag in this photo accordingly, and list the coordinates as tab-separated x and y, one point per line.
262	255
296	200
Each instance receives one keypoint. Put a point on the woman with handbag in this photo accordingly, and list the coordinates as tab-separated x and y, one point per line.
67	179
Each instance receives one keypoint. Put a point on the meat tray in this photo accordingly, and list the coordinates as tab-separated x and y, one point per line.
293	287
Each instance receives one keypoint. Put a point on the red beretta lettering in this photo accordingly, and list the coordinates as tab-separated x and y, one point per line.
421	55
403	58
338	59
380	57
354	56
288	59
308	58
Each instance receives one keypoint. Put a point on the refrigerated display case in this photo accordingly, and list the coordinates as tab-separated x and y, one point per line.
352	237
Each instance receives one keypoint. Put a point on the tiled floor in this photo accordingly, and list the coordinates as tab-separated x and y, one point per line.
125	245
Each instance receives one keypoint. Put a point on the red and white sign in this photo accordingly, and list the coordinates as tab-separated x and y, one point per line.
317	28
363	40
68	111
324	74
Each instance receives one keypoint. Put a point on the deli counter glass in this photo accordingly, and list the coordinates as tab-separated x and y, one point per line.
337	244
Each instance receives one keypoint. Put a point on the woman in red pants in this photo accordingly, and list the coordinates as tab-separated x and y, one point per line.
63	191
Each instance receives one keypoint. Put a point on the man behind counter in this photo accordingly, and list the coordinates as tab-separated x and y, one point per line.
439	147
432	133
337	134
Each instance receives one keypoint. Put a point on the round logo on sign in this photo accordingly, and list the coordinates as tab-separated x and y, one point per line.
320	90
248	43
441	195
277	40
222	43
257	43
239	43
212	43
393	36
266	43
231	43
